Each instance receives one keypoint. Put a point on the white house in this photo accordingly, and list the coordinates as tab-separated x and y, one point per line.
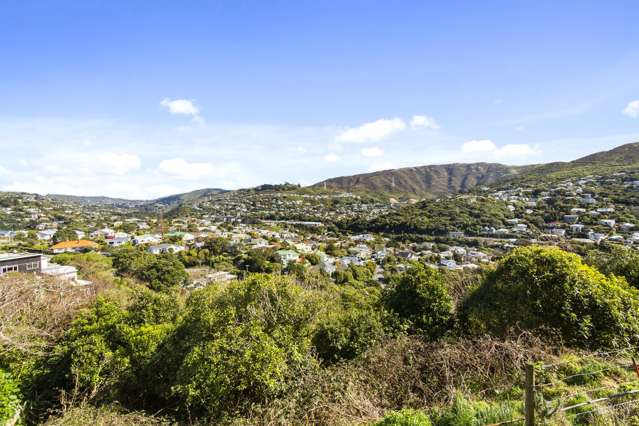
46	235
147	239
165	248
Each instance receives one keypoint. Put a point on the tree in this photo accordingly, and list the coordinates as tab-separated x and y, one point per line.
551	291
238	346
163	272
419	296
620	261
64	234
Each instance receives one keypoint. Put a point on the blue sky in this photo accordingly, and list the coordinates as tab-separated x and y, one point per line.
146	98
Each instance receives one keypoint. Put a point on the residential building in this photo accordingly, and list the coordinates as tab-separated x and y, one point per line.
20	262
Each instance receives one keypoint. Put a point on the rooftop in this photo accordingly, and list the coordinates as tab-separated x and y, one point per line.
16	256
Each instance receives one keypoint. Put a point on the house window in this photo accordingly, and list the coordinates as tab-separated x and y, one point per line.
33	266
7	269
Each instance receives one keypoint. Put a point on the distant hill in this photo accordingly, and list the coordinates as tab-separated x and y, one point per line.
164	201
187	196
423	181
95	200
415	182
624	154
437	180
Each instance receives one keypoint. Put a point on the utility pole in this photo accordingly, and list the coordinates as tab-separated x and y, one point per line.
529	395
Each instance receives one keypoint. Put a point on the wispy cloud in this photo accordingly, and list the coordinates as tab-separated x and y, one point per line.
487	149
423	121
632	109
182	107
372	132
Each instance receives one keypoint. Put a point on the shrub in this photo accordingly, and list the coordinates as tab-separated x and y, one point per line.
239	345
405	417
348	333
419	296
620	261
550	290
464	412
9	397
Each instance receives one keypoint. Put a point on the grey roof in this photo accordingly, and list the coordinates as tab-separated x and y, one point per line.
17	256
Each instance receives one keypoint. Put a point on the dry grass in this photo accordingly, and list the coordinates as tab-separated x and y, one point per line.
35	310
403	372
104	416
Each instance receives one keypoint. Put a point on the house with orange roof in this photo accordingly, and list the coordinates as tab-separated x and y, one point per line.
73	246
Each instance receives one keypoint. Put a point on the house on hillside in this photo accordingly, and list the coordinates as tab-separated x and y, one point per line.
165	248
147	239
76	246
20	262
288	256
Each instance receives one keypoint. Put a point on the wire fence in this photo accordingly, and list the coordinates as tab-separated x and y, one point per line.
616	394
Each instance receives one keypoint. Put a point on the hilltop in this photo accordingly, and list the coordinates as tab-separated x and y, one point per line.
424	181
437	180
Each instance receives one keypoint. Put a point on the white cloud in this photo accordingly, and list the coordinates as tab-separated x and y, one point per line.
179	167
632	109
182	107
373	151
331	158
480	145
508	151
423	121
373	131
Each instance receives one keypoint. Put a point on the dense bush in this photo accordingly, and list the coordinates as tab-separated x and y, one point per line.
405	417
239	345
159	272
105	354
550	290
618	260
356	322
419	296
9	397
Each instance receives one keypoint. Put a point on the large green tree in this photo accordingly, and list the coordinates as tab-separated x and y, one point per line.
552	291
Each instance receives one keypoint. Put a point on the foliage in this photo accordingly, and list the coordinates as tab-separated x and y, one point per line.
419	296
619	260
105	354
163	272
356	324
536	288
240	345
438	217
465	412
64	234
406	417
159	272
9	396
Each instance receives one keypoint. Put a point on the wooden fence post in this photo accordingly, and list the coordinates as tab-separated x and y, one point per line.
529	395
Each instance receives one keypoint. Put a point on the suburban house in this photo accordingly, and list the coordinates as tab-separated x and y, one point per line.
184	236
288	256
46	235
165	248
20	262
147	239
74	246
64	272
105	233
7	234
117	241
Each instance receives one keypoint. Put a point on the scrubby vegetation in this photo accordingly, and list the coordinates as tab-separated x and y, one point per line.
302	349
